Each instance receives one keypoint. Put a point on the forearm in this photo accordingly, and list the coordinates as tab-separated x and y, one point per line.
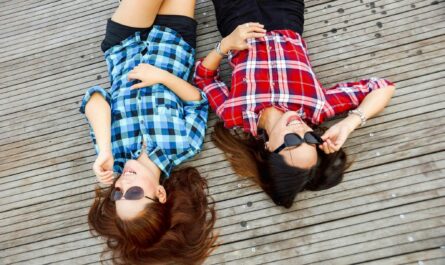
98	113
372	104
213	59
183	89
376	101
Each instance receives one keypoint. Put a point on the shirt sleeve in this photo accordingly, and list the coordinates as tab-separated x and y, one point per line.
90	92
209	82
195	115
348	95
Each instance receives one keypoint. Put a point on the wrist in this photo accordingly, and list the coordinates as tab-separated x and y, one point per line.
352	122
162	76
105	149
225	47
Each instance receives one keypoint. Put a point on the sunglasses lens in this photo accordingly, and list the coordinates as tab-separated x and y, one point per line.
134	193
116	194
292	140
312	138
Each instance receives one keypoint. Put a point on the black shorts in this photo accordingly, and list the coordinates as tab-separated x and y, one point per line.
185	26
273	14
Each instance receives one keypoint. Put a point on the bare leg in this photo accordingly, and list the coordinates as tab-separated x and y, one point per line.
137	13
178	7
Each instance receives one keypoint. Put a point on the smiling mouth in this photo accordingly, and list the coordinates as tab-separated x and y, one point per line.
129	171
294	120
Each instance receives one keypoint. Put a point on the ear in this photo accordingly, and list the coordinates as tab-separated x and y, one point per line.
161	194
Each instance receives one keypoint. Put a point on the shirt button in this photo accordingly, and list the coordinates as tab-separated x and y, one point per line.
245	80
269	48
141	121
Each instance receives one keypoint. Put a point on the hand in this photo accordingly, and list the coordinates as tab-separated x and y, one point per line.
147	74
335	137
103	167
237	39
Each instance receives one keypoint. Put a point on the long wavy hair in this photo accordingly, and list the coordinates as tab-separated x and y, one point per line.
177	232
282	182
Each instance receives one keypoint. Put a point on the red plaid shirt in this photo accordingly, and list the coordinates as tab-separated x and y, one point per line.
276	72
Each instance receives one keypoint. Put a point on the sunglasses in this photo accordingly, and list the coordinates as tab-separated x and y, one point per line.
132	194
295	140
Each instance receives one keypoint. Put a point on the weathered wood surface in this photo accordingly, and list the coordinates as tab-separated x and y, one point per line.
389	209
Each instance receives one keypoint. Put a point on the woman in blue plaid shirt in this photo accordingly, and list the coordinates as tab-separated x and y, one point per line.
150	121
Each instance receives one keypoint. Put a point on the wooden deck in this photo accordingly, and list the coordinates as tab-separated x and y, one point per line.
389	210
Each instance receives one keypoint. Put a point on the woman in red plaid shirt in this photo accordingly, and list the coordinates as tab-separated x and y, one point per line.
276	99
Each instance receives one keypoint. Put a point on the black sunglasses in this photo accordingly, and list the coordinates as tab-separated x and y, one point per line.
132	194
294	140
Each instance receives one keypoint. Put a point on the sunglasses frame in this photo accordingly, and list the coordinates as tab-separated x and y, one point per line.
123	194
302	140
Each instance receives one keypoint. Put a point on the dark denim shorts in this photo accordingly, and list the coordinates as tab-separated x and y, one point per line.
274	14
185	26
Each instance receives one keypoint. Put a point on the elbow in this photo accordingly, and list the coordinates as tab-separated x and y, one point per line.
391	89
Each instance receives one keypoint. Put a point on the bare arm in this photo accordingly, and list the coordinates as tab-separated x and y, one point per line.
98	113
372	104
150	75
235	41
183	89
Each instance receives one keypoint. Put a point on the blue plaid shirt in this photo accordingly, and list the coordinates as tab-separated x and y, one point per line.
172	129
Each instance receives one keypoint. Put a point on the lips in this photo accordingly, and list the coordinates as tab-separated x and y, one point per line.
293	118
128	169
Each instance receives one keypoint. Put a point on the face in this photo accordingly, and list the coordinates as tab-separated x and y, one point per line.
303	156
137	174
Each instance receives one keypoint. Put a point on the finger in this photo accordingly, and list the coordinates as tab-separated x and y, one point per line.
106	182
107	179
109	182
325	150
132	75
255	35
108	174
326	135
256	24
256	29
104	174
139	85
331	146
325	147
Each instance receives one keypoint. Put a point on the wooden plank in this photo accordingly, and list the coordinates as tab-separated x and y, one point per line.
342	197
345	237
47	152
412	258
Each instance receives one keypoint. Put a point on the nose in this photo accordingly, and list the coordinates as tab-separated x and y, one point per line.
300	130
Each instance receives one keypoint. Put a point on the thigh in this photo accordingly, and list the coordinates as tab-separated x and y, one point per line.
178	7
137	13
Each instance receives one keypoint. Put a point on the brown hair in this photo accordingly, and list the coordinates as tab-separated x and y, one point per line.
177	232
249	158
